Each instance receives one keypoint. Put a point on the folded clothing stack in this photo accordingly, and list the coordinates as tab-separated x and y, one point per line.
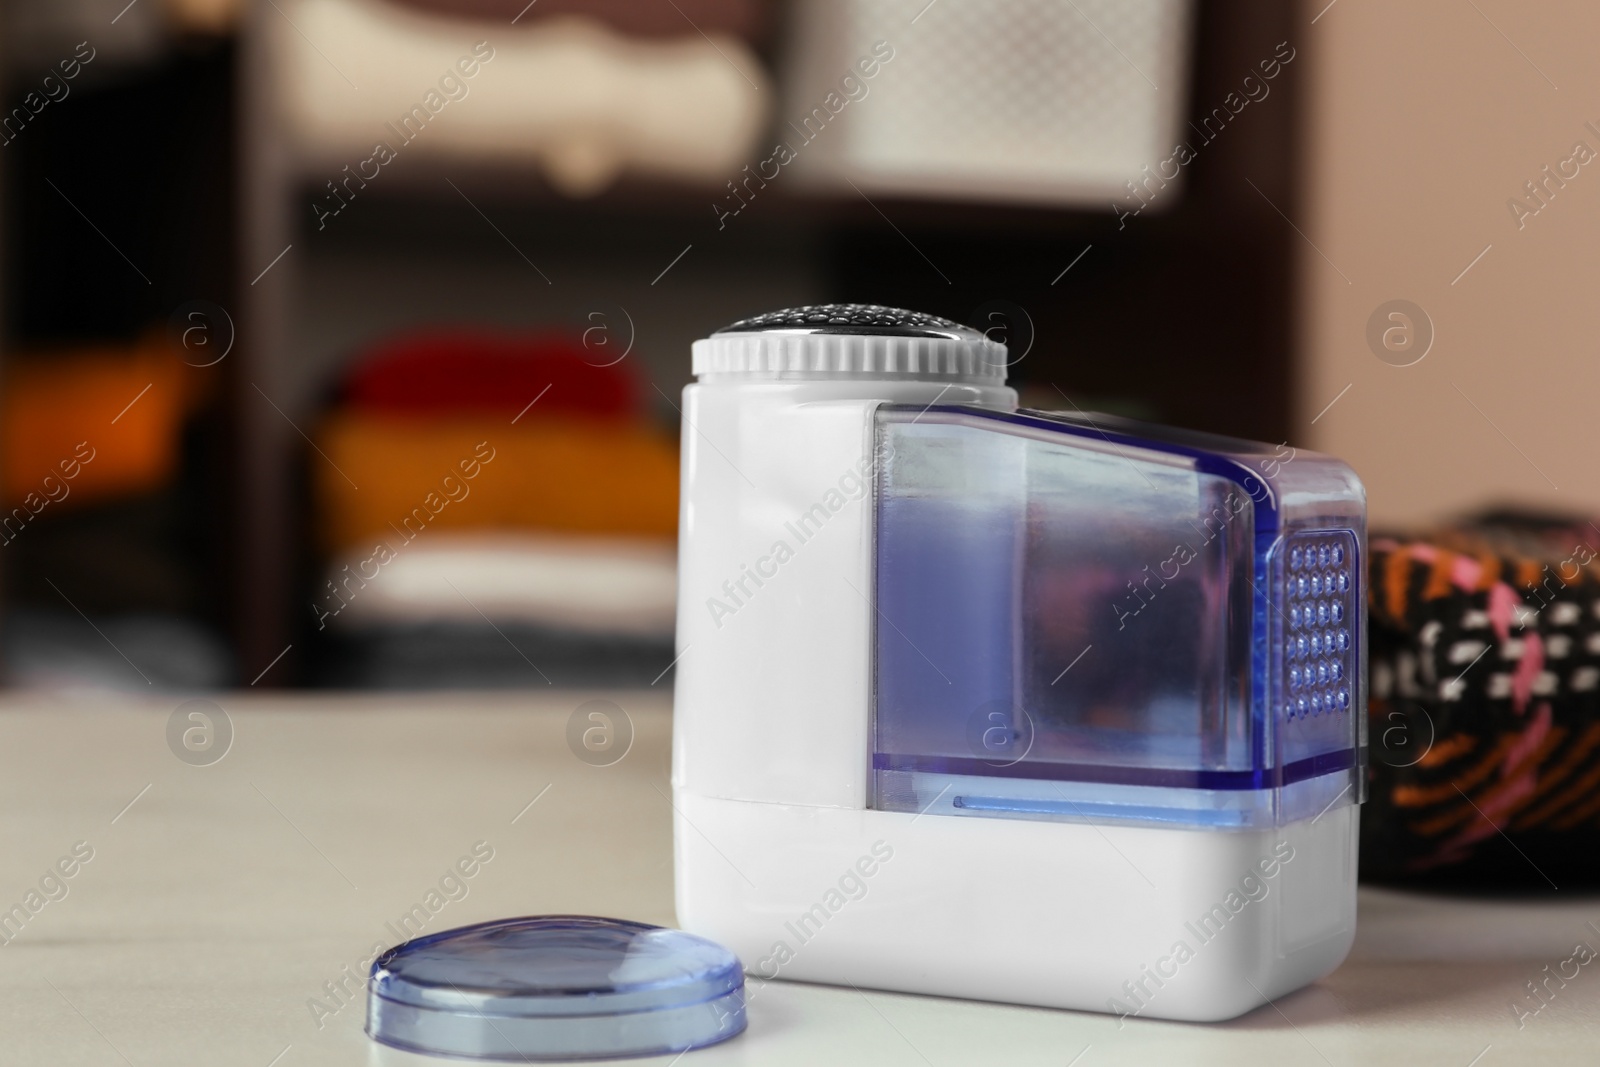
105	509
90	424
500	482
540	438
587	91
1484	713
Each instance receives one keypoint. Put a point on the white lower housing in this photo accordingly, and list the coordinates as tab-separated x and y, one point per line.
1167	923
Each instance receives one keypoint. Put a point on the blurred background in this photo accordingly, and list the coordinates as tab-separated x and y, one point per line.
343	338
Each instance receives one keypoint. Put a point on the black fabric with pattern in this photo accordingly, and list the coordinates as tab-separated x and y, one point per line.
1484	706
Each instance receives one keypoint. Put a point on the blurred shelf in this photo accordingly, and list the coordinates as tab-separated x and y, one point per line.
782	202
1186	311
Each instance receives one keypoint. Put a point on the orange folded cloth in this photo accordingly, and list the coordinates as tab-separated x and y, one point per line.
84	425
390	478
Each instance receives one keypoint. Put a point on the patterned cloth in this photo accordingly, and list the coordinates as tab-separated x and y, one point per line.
1484	708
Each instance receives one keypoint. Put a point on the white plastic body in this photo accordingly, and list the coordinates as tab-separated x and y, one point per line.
779	857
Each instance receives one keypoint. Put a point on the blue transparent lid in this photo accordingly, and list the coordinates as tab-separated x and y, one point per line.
555	987
1090	618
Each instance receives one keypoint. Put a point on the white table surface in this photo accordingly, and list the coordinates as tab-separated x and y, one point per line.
221	900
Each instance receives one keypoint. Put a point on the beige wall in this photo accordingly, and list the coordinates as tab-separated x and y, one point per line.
1423	121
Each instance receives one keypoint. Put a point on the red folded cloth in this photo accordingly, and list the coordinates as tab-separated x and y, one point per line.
455	372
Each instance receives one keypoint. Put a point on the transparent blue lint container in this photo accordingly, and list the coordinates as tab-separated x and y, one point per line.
555	987
1108	620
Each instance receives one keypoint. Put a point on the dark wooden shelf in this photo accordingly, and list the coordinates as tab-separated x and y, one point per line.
1185	312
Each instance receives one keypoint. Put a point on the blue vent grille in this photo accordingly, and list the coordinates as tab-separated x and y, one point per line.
1321	646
